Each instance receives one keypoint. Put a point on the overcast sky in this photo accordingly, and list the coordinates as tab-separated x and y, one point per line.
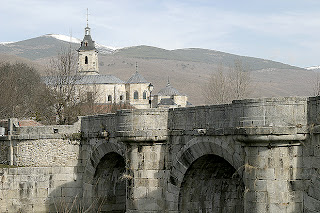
282	30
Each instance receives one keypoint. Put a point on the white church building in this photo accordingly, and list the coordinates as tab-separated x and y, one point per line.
111	90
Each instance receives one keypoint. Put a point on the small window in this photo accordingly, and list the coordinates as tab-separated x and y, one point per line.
90	96
109	98
127	96
86	60
121	97
135	95
144	95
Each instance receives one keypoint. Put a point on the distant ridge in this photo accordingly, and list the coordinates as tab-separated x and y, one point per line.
189	69
49	45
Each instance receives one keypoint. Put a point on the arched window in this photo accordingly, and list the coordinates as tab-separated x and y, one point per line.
86	60
144	95
127	96
135	95
121	97
109	98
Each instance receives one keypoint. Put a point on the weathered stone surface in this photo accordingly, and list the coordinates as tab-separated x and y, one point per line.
259	155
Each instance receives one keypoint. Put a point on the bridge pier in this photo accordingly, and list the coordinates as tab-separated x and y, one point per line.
146	177
269	178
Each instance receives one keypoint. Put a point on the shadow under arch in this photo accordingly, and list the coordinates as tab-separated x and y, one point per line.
206	176
104	181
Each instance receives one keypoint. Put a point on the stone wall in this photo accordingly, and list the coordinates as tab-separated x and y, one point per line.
39	189
258	155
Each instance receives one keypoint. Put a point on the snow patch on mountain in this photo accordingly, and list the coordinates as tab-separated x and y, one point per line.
6	42
64	38
101	48
313	68
105	49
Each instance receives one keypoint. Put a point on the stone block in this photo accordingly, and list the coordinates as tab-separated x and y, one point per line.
155	192
264	152
278	207
54	192
139	192
295	207
282	174
13	171
148	204
71	192
296	196
62	177
265	174
257	161
259	185
12	194
277	186
261	197
68	170
278	197
41	192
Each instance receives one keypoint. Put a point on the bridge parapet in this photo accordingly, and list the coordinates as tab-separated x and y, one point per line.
253	116
245	117
130	125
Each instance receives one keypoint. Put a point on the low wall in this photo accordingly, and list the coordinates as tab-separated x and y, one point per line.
265	112
130	125
39	189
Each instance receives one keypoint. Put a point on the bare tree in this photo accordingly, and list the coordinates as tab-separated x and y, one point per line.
62	82
316	85
22	92
72	96
226	85
240	81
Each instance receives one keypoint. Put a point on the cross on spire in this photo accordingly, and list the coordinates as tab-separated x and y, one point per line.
87	17
87	29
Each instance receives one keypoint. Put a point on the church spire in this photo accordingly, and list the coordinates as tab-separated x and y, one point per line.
87	29
88	54
87	17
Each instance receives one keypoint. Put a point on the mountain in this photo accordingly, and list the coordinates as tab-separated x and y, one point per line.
44	46
188	69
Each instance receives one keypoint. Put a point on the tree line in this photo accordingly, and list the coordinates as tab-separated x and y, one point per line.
57	100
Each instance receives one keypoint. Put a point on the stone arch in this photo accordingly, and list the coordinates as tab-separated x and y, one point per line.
103	182
100	150
204	149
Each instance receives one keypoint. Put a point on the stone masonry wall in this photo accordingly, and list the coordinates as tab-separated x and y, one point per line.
46	152
270	145
39	189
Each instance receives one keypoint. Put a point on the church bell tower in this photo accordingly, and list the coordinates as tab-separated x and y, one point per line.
88	55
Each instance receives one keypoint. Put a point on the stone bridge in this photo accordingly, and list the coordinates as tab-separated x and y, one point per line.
259	155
